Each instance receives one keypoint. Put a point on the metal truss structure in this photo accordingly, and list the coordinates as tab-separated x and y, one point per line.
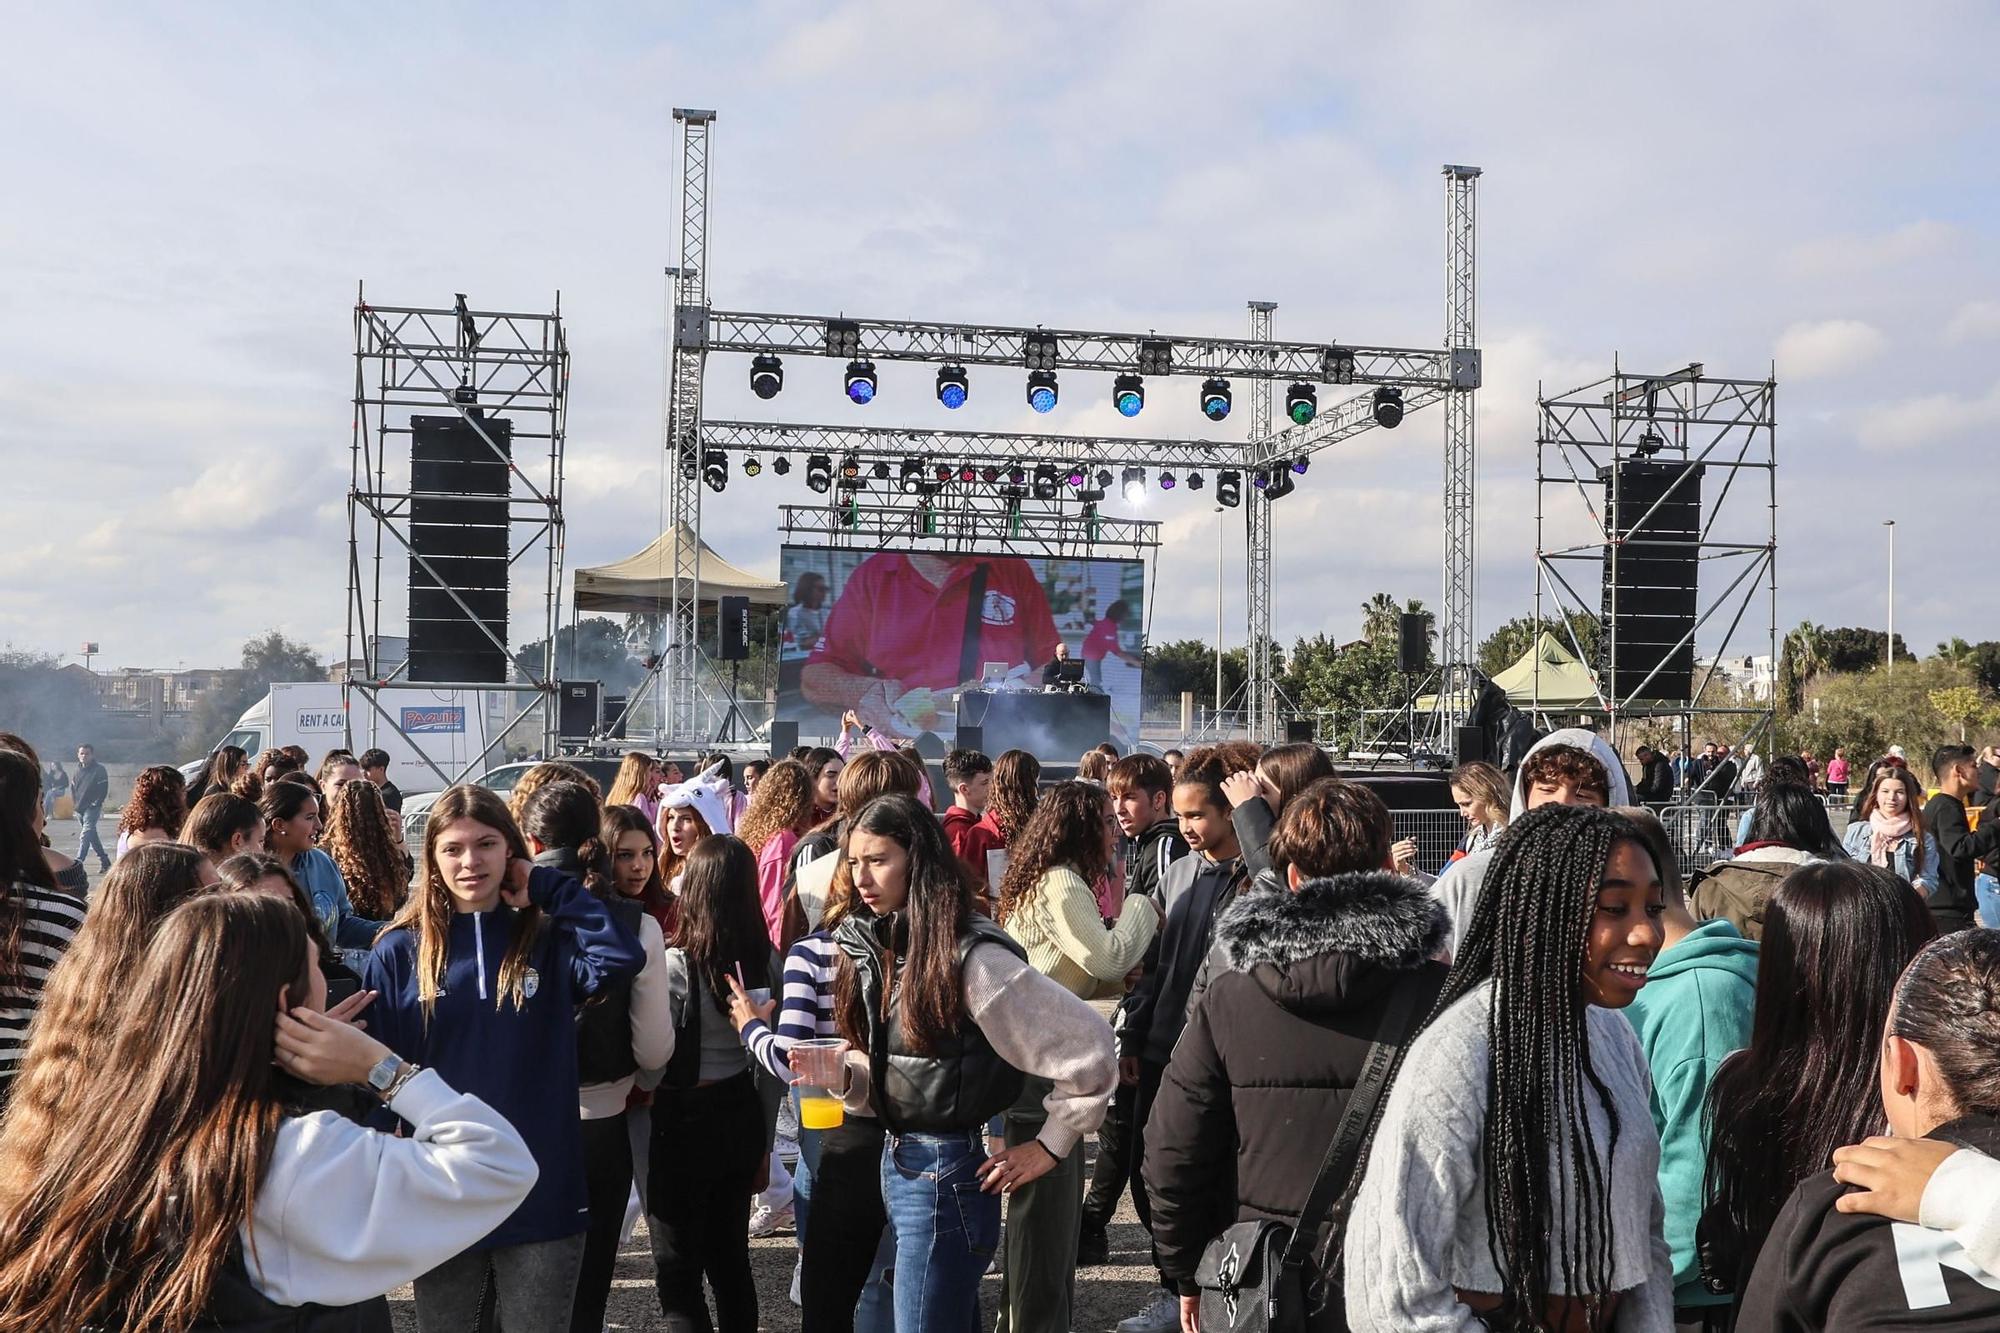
474	364
1426	376
1694	422
972	523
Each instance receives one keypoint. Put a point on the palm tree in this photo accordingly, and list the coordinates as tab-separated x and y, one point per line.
1958	652
1381	615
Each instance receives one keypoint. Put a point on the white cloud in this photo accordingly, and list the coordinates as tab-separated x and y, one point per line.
1814	349
1976	321
1933	423
1844	256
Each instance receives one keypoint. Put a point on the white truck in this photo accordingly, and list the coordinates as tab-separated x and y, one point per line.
452	727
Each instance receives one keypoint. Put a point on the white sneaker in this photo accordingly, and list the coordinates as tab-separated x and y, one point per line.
798	1266
766	1220
1162	1316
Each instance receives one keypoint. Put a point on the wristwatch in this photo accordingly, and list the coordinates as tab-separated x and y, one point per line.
389	1075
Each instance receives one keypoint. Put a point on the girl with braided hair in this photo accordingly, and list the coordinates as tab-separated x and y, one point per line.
1525	1196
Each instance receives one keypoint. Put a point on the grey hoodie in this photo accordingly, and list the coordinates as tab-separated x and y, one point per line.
1460	885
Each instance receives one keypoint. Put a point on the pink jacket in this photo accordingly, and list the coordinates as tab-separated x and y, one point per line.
772	863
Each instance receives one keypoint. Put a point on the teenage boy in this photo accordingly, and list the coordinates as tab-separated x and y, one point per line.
1142	788
1957	771
375	767
969	774
1193	891
1567	767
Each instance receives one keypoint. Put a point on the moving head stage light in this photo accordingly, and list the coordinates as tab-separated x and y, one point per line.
767	375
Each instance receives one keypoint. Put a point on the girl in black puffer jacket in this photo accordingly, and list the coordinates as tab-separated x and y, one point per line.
1276	1044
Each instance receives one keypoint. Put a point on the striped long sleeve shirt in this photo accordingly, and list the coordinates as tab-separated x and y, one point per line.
50	919
805	1009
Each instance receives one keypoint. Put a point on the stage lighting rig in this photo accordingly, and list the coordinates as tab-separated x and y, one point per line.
913	474
861	382
843	338
1337	366
1046	482
1388	407
1300	464
767	375
715	468
850	467
989	474
953	386
1166	481
690	463
1194	481
819	473
1075	476
1042	390
1215	399
1229	488
1133	485
1302	403
1128	395
880	470
751	467
1039	352
1281	484
943	471
1017	475
1156	356
781	465
1103	479
967	472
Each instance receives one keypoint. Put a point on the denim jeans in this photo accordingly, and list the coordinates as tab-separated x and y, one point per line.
802	1174
1986	889
946	1228
536	1284
87	821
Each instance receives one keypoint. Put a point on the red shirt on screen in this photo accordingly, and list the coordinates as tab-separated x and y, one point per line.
889	621
1101	642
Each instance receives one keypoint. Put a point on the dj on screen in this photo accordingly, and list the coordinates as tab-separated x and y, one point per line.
909	629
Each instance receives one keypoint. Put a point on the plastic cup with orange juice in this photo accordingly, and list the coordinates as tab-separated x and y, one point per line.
819	1064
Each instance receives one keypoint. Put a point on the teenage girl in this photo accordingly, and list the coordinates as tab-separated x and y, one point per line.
198	1196
479	977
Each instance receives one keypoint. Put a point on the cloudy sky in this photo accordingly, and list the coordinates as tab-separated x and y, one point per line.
191	195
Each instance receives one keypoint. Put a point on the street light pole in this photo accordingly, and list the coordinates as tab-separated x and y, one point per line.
1890	524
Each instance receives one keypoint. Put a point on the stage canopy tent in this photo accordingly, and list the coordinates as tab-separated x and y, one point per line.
643	584
1565	682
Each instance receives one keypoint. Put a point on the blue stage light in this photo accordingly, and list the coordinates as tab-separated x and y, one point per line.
1042	390
952	386
1128	395
861	381
1215	399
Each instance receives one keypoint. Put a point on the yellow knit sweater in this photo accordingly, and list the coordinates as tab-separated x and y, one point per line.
1066	939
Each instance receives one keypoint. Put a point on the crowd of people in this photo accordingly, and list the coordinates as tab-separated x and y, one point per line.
274	1064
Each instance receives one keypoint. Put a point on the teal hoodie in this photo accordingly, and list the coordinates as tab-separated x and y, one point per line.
1693	1011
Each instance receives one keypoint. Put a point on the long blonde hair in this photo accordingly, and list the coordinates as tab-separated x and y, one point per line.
549	770
428	913
630	784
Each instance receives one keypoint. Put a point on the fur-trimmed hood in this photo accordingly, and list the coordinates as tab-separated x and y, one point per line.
1373	915
1333	944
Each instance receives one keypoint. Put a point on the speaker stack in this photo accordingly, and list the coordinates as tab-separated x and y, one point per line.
1650	581
458	526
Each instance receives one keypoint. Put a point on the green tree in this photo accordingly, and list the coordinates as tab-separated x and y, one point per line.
1187	666
1868	711
1504	646
1985	664
1957	652
1852	649
267	659
1960	705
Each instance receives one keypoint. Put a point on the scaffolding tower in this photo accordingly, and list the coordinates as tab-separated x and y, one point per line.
477	365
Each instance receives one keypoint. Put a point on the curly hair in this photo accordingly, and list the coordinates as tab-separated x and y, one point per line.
158	800
1067	829
784	800
361	842
1017	777
553	770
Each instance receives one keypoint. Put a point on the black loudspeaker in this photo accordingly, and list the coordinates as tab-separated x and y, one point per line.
970	737
1472	745
459	549
614	715
784	739
1299	729
1413	641
576	709
1653	514
734	629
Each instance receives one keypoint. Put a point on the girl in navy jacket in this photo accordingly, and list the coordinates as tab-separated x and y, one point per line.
479	977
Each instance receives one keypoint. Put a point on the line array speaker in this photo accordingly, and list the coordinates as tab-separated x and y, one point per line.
459	543
1651	576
